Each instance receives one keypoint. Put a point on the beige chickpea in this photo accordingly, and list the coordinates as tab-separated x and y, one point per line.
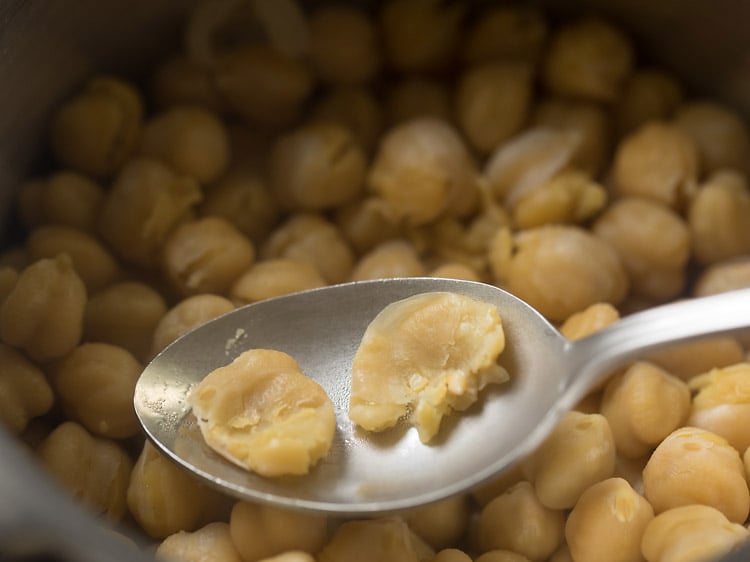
274	278
94	470
682	464
722	404
456	270
588	58
451	555
723	276
190	139
424	171
516	520
344	46
386	539
550	256
414	97
655	254
125	314
366	223
420	35
650	94
607	523
316	167
589	320
206	256
562	554
24	390
261	85
354	108
165	499
313	239
485	493
261	531
717	217
492	102
720	133
8	280
691	533
187	314
146	201
95	383
442	523
181	81
211	543
558	475
500	555
633	404
96	130
689	359
396	258
657	161
290	556
506	32
93	262
43	314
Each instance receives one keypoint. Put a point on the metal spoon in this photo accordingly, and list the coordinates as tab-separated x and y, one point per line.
372	473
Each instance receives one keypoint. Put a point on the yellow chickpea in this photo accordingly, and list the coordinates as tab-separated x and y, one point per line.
500	555
492	102
43	314
607	523
181	80
146	201
451	555
558	476
24	390
723	276
316	167
650	94
485	493
187	314
125	314
414	97
695	466
8	280
211	543
456	270
95	384
562	554
261	531
190	139
274	278
356	109
655	254
94	470
516	520
633	405
589	320
386	539
397	258
290	556
442	523
693	358
206	256
96	130
367	223
515	32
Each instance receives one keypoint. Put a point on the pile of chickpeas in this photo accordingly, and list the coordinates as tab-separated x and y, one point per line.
423	138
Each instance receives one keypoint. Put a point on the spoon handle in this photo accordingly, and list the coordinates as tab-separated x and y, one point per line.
594	357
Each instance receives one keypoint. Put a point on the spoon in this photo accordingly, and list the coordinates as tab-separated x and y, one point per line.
368	473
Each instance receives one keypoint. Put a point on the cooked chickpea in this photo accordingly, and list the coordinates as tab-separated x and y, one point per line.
93	262
500	555
367	223
187	314
416	97
562	554
692	358
684	462
485	493
43	314
146	201
316	167
206	256
94	470
423	170
451	555
274	278
633	405
657	161
386	539
125	314
515	32
717	217
211	543
290	556
95	383
492	102
354	108
720	133
344	45
24	390
691	533
723	276
312	239
8	280
262	85
607	523
558	476
589	320
96	130
456	270
182	81
190	139
516	520
261	531
649	94
396	258
655	254
164	499
722	404
442	523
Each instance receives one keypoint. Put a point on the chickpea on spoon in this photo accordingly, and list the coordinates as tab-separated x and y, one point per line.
368	473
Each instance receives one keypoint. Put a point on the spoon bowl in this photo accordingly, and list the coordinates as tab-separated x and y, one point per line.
367	473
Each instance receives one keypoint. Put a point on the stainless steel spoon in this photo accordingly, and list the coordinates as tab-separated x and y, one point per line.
371	473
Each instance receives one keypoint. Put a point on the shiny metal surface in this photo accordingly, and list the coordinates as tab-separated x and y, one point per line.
371	473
